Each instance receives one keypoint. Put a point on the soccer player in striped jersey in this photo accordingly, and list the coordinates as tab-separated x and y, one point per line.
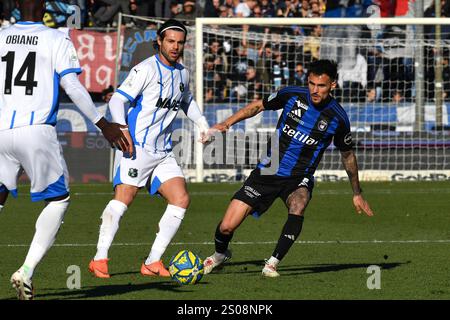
34	62
157	89
310	120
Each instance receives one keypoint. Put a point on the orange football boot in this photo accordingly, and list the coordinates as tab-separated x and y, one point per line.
154	269
99	268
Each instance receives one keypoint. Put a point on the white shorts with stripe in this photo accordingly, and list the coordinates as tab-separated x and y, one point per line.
145	169
36	149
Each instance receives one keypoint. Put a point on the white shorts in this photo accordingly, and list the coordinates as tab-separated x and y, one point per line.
37	150
146	169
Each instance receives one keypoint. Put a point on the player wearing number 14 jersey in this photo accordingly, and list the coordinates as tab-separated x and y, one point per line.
34	62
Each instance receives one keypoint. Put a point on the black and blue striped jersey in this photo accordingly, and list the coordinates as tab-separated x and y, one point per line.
305	131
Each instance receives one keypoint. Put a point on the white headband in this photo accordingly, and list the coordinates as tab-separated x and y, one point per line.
172	27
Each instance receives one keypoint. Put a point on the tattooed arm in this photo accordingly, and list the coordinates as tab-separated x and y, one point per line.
250	110
351	167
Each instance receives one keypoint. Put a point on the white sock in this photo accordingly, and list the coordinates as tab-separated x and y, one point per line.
273	261
168	227
47	227
110	224
1	207
219	256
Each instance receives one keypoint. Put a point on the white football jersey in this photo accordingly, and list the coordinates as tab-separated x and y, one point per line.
156	92
33	59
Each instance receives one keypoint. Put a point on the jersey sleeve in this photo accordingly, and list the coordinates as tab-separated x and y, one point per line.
343	137
273	101
187	95
66	57
136	81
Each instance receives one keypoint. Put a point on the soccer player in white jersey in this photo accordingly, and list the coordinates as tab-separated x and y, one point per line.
34	61
157	89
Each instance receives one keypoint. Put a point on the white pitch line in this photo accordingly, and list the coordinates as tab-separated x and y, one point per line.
321	192
446	241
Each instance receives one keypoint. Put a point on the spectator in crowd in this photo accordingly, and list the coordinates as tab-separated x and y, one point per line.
267	8
397	97
231	4
279	69
244	9
225	12
287	9
208	68
212	8
264	61
300	78
315	9
141	8
253	83
209	95
162	8
220	58
312	44
108	9
216	90
304	9
353	79
239	63
188	14
175	9
244	88
371	95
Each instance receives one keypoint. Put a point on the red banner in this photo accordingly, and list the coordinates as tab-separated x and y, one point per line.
97	54
396	8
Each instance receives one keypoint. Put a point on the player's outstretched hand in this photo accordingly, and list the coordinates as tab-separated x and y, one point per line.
362	205
205	136
221	127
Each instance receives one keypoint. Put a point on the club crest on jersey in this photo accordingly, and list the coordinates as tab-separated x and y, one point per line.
133	173
322	125
181	86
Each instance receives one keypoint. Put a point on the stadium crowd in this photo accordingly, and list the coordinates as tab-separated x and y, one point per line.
243	69
102	13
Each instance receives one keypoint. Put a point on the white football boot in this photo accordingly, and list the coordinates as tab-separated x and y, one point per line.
23	285
212	262
270	270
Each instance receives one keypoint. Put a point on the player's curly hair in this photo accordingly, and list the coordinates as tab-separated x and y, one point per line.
324	66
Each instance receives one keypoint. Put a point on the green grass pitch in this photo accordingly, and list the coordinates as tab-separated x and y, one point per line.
408	238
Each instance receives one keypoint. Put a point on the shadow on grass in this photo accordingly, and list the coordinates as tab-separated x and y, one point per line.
110	290
306	269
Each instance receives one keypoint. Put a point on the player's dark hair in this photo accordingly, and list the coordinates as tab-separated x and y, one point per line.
328	67
31	10
170	24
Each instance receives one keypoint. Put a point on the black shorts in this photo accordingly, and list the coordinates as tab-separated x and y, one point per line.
260	191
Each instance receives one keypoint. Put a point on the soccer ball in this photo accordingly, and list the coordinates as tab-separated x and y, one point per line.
186	267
